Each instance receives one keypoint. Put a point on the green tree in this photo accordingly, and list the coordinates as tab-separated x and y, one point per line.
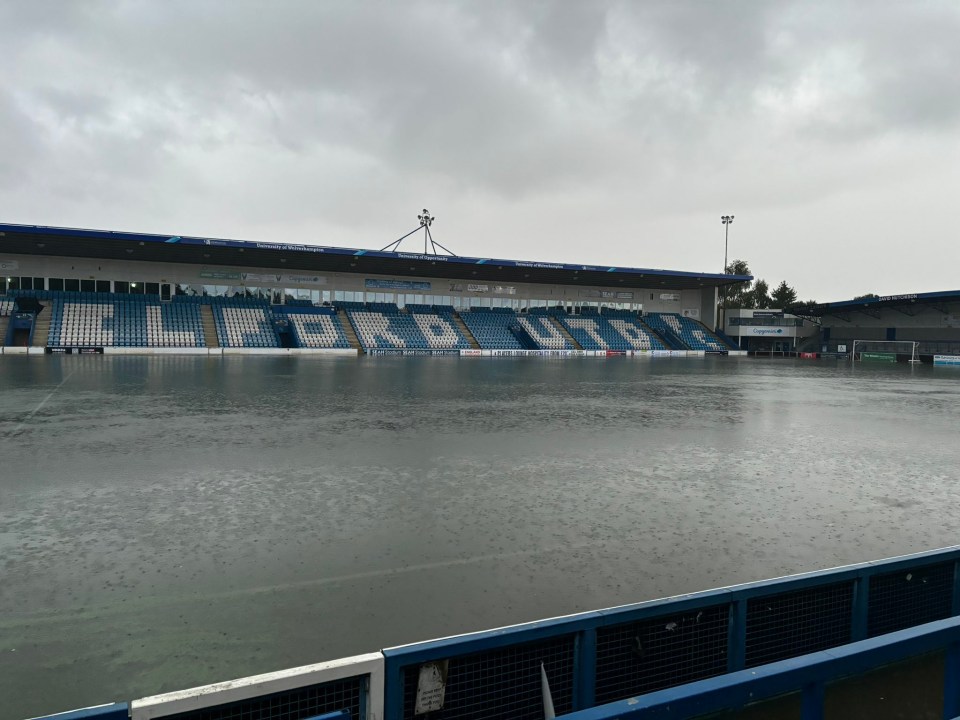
868	296
798	308
761	294
737	293
783	296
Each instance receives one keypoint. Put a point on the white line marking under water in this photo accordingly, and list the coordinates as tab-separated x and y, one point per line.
166	600
39	407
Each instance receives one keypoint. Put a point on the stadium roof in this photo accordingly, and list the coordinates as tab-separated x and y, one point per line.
833	308
109	245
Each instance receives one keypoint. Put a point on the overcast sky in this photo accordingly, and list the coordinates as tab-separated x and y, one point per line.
601	132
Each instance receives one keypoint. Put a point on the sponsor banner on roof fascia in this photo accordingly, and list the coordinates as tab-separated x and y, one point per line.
378	284
283	278
9	265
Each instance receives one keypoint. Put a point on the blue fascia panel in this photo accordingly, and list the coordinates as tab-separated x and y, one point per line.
296	247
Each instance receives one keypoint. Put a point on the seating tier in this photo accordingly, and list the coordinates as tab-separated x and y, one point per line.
385	326
131	321
600	332
693	334
244	325
317	328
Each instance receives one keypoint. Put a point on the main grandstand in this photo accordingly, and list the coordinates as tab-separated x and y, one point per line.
69	290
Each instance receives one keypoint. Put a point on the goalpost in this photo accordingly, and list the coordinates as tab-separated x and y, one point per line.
885	350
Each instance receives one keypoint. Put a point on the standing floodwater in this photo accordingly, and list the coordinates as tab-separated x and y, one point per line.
172	521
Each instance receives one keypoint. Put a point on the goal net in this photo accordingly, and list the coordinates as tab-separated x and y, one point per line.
885	351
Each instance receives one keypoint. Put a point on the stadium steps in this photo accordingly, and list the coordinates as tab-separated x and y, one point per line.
4	326
667	343
563	331
41	329
349	330
462	327
210	337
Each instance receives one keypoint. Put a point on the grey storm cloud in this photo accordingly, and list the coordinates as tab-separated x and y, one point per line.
595	131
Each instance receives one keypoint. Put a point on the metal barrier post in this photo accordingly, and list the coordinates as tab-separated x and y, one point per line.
737	636
955	608
811	701
861	604
585	669
951	682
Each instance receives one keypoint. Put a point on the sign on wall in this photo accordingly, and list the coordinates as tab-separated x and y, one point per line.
219	275
9	265
675	297
692	313
767	331
280	279
622	295
374	283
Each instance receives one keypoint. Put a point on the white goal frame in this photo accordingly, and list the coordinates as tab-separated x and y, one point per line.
914	348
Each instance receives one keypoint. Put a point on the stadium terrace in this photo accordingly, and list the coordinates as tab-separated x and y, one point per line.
129	292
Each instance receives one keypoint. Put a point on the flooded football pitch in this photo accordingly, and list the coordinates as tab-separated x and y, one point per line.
172	521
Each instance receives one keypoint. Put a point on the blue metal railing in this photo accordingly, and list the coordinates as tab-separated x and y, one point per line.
808	675
650	646
601	657
114	711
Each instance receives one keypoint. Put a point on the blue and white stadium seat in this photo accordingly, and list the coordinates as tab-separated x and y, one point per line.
316	327
491	328
544	333
602	332
6	306
438	327
692	333
104	320
243	323
385	326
